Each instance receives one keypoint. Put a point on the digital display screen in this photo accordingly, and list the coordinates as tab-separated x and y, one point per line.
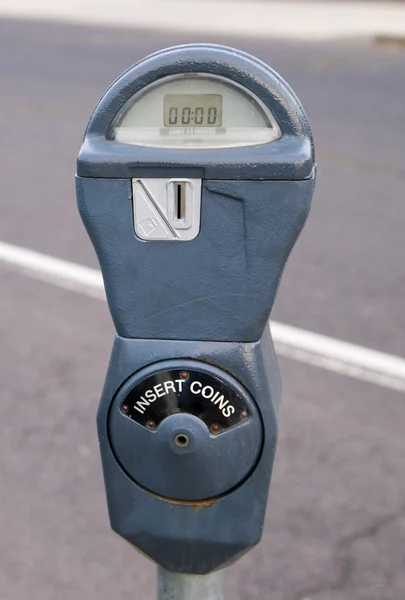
192	110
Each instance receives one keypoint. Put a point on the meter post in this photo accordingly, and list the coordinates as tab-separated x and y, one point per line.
194	181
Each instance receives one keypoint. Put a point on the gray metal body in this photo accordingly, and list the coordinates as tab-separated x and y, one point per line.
206	300
221	285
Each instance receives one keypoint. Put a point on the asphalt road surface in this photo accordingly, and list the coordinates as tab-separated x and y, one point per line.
335	527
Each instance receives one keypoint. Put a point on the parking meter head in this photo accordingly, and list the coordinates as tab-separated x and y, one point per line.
195	178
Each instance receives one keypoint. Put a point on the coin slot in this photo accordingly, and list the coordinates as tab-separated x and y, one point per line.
179	189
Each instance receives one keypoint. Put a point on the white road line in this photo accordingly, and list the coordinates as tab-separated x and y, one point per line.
348	359
334	355
59	272
248	18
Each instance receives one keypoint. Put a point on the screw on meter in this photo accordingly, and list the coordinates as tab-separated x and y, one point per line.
194	180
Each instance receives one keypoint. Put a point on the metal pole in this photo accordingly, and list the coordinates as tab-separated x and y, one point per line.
178	586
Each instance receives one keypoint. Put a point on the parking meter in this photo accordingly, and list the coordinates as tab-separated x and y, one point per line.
194	181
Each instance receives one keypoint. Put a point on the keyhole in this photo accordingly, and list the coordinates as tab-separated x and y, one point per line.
181	440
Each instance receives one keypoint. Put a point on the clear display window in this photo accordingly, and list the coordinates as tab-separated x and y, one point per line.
194	111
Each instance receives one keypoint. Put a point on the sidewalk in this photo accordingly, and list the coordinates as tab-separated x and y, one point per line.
299	20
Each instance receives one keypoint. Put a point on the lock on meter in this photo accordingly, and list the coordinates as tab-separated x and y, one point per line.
194	180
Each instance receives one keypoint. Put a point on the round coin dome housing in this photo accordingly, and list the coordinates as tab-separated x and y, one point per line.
170	422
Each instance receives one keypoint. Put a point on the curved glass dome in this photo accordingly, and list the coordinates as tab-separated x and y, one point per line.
194	111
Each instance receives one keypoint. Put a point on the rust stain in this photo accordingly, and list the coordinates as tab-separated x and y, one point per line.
196	505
